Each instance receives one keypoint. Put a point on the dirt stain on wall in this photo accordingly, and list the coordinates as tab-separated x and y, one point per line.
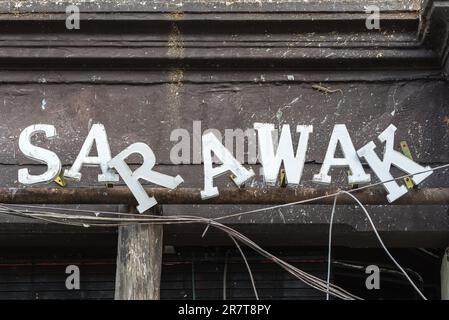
176	52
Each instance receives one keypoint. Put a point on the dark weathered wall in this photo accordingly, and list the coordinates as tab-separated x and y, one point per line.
150	112
147	72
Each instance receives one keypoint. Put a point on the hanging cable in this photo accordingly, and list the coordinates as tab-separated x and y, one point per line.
81	220
225	273
247	266
238	214
111	221
329	248
383	245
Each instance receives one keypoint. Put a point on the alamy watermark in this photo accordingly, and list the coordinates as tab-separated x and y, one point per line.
72	20
72	282
372	21
373	280
242	143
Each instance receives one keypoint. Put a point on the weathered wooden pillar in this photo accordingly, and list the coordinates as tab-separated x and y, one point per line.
139	260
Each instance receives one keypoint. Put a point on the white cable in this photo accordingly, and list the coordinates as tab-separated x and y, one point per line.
329	248
247	266
327	195
308	279
245	212
225	273
304	276
383	245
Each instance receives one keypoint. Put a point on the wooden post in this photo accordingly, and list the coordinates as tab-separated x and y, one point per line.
139	260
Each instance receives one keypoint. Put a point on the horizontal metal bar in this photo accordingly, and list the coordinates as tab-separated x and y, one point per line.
263	196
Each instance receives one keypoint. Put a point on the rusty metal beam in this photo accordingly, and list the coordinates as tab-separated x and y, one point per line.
264	196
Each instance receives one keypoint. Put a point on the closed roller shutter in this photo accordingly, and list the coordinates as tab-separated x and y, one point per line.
191	273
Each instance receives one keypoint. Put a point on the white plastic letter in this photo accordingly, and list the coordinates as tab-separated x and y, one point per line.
38	154
340	135
145	171
229	163
98	135
391	157
271	163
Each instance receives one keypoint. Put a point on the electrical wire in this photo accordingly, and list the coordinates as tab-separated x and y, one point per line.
96	220
352	265
311	280
383	245
328	195
247	266
329	248
225	273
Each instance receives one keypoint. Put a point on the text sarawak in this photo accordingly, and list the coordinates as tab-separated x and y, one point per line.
271	158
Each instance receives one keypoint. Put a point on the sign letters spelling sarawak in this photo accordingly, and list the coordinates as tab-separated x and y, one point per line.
112	168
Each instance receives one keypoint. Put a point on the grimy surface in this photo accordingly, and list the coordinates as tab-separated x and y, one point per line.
147	71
